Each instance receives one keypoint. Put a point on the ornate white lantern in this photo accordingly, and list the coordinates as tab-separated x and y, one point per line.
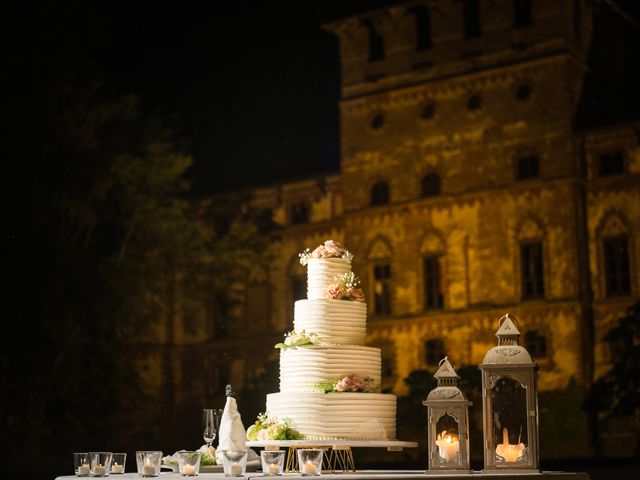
448	423
509	404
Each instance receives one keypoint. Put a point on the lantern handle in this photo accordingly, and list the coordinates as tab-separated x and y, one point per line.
515	321
453	365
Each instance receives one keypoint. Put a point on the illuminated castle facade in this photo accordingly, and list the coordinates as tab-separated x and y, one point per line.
466	191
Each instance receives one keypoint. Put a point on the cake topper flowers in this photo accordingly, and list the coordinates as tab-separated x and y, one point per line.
295	339
345	288
353	383
329	249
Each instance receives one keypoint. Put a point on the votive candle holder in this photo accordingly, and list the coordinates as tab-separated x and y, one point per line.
189	463
148	462
100	464
234	462
118	463
310	461
272	462
81	464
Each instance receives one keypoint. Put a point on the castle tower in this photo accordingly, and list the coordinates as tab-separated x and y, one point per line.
458	151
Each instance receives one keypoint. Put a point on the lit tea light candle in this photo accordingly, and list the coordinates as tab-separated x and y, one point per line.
448	446
510	452
117	468
309	468
188	469
235	469
149	469
99	471
83	469
273	469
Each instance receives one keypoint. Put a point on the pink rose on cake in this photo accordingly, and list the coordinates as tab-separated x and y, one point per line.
345	288
330	249
335	291
352	383
357	294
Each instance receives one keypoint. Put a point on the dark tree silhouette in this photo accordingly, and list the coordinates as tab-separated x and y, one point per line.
616	395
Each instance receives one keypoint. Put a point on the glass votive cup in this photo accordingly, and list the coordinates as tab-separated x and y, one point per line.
148	462
234	462
81	464
100	463
272	462
118	463
189	463
310	461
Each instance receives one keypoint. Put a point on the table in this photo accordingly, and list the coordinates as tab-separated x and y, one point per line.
369	475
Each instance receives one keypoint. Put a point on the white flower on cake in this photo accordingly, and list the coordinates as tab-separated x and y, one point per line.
330	249
345	288
295	339
270	428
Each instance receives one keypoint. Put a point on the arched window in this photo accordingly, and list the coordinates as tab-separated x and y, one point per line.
299	213
382	287
532	269
616	265
536	344
380	194
434	351
430	185
376	42
433	297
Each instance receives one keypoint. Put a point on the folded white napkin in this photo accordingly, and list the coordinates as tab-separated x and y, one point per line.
232	435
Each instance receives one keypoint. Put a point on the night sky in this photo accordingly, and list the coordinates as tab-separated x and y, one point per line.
253	87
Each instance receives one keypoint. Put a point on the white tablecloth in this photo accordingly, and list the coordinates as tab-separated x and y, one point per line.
367	475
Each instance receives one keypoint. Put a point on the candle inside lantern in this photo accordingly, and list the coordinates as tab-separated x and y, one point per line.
99	471
117	468
510	452
448	446
83	469
188	469
149	469
273	469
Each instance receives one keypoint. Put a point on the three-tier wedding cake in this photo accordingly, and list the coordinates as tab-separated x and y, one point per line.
329	379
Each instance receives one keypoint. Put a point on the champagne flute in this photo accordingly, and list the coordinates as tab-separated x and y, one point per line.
210	424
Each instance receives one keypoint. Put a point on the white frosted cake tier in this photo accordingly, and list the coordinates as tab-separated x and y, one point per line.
334	321
321	273
303	368
356	416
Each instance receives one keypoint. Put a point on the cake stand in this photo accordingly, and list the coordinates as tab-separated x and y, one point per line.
337	457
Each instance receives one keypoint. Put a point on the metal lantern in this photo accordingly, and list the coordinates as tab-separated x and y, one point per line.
448	423
509	404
